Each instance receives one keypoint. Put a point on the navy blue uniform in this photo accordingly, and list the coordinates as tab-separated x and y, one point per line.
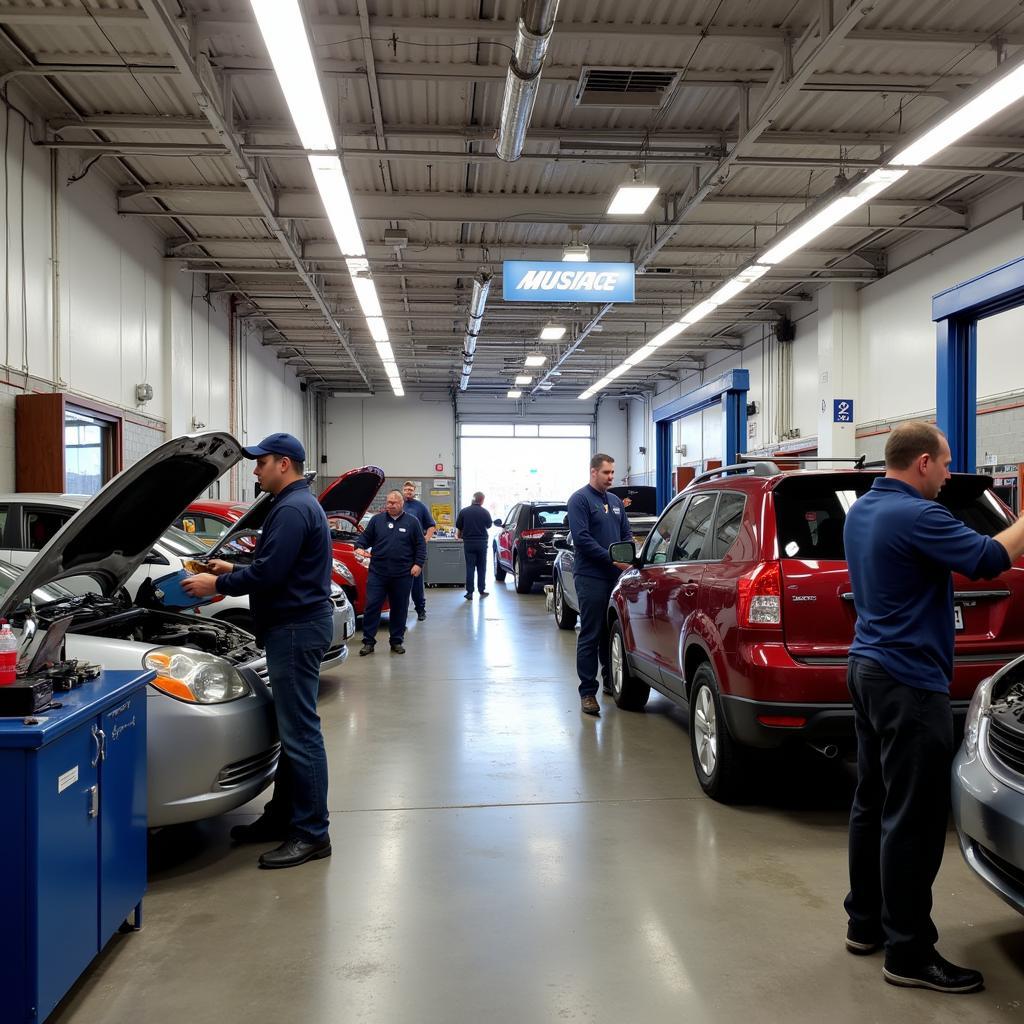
473	522
901	548
422	513
397	545
596	521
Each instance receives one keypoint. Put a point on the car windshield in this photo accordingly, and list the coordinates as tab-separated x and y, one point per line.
182	544
810	511
550	515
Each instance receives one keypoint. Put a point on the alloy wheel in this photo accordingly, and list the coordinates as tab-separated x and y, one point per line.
559	602
617	657
705	722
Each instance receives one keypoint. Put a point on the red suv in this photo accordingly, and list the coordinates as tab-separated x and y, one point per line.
739	606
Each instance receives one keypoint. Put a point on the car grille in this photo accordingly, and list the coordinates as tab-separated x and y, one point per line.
232	775
1006	745
1002	867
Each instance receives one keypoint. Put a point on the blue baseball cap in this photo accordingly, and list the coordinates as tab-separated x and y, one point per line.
278	444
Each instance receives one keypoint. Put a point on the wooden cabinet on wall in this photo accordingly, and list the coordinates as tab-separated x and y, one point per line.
40	440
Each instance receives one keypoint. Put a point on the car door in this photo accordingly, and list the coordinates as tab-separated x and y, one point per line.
6	523
637	586
676	596
506	539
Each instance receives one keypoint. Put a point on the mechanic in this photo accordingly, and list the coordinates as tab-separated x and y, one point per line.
397	553
901	546
471	526
289	588
597	520
416	508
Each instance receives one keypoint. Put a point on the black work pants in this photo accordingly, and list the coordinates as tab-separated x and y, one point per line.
395	590
900	810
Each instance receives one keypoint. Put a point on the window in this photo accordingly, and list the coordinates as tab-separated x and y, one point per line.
206	529
552	515
183	544
88	451
566	430
41	525
696	524
3	522
656	551
727	523
509	522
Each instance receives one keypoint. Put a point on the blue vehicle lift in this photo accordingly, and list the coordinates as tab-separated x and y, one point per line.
956	312
730	391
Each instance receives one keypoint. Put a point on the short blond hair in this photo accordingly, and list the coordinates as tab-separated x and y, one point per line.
909	441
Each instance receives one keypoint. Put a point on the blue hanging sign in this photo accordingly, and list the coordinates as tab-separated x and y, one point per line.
842	410
526	281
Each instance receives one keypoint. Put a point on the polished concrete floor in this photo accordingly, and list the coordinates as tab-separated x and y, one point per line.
500	858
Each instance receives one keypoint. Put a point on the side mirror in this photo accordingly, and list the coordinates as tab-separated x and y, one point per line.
155	558
623	551
497	522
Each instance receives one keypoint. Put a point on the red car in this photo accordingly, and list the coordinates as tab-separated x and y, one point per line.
345	501
739	606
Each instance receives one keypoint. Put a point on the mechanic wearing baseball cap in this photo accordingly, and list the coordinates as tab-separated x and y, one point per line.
289	587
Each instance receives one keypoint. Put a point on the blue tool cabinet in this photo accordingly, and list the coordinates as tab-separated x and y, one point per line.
72	837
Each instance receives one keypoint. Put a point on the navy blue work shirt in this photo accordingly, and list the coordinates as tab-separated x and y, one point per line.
473	522
596	521
416	508
397	544
289	579
901	548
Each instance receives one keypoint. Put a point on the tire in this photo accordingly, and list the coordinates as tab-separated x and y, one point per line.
524	581
499	572
627	691
718	761
565	617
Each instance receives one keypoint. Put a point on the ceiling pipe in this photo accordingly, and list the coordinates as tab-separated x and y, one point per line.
533	33
474	324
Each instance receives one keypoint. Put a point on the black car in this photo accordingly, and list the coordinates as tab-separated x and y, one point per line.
525	545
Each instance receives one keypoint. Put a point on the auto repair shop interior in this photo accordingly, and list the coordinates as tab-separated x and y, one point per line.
464	246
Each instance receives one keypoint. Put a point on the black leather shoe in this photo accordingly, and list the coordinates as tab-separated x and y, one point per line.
932	972
420	616
485	593
262	830
397	649
468	597
863	943
365	650
295	851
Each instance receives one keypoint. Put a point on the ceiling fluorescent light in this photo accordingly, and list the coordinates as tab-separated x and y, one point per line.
366	293
385	351
523	379
666	334
337	200
535	359
834	212
284	35
700	311
514	394
398	390
616	373
576	254
632	199
998	96
378	329
640	354
552	332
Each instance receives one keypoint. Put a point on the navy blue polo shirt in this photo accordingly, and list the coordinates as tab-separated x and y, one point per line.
596	521
902	548
421	512
397	544
289	579
473	522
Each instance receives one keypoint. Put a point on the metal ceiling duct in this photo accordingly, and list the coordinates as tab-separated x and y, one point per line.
533	33
474	324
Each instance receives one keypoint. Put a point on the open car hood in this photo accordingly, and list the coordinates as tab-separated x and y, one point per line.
352	493
644	499
113	534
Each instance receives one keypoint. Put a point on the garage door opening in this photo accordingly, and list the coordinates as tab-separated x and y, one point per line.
513	462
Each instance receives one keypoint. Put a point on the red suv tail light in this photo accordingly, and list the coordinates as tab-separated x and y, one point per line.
760	596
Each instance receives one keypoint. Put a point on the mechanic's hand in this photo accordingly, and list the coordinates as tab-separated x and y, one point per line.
622	565
219	567
416	570
203	584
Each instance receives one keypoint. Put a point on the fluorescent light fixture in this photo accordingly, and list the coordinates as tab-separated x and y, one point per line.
640	355
552	332
998	96
390	367
514	394
358	265
523	379
666	334
385	352
535	359
366	293
616	373
700	311
748	275
333	189
576	254
378	329
398	390
547	386
284	34
632	199
834	212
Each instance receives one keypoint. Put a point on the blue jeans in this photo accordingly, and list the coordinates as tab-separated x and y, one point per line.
476	561
419	594
592	643
396	590
294	652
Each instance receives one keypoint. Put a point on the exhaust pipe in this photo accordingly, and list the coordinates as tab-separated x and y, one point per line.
827	750
474	324
533	33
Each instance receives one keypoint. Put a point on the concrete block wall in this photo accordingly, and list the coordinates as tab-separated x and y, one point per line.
7	396
140	438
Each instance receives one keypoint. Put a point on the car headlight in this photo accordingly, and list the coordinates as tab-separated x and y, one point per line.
195	676
975	712
342	570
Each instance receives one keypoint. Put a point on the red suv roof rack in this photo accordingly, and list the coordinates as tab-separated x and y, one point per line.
746	468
